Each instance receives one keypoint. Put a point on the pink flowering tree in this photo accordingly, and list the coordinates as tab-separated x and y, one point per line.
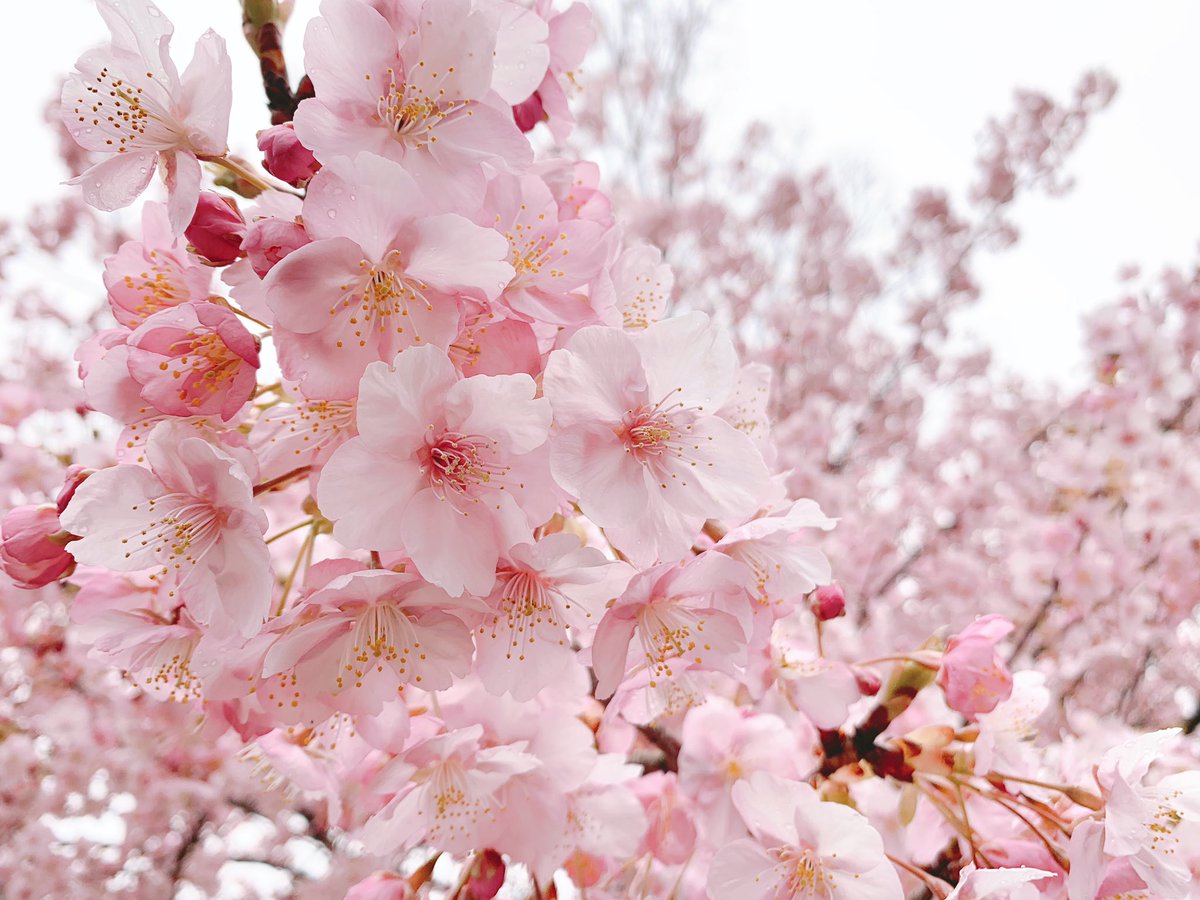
436	523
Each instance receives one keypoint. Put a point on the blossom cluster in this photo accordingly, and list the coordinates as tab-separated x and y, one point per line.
437	507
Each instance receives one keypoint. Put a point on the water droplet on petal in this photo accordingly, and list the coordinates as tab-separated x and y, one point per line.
332	213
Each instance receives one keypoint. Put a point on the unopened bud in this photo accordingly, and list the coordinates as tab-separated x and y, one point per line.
868	681
217	229
32	547
486	875
285	157
75	476
828	602
270	240
529	112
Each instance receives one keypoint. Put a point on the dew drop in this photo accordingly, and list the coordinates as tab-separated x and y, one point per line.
332	213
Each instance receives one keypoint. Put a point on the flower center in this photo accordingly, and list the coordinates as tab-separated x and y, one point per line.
121	109
203	364
668	632
803	874
649	433
381	300
461	464
527	602
410	113
382	636
182	530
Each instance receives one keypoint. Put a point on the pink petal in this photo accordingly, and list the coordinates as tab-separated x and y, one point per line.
500	407
597	377
398	403
452	253
366	493
119	180
207	94
456	551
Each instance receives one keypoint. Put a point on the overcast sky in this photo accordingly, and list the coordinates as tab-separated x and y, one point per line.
899	89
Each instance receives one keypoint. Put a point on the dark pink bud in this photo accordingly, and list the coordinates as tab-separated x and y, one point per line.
285	157
529	112
33	547
76	475
828	602
486	876
217	229
269	240
868	682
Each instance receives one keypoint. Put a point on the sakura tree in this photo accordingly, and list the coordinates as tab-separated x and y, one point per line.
440	542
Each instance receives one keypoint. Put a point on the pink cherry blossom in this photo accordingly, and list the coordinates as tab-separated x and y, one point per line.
1154	824
147	276
445	793
973	676
637	441
782	567
195	359
421	97
304	433
354	645
381	886
570	34
463	461
673	619
128	100
1007	732
542	589
270	239
723	744
551	260
998	884
190	518
801	847
382	273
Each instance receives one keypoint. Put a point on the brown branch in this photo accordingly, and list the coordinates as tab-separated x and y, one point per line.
186	848
666	743
263	22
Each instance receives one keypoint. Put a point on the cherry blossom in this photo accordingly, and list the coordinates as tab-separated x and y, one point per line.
463	463
190	518
541	590
128	100
383	272
802	847
195	359
422	96
638	443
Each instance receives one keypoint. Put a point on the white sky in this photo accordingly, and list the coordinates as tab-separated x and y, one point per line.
899	89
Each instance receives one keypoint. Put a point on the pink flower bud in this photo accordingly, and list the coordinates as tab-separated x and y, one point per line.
486	876
217	229
828	602
76	475
973	676
269	240
285	157
381	886
868	681
529	112
33	547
